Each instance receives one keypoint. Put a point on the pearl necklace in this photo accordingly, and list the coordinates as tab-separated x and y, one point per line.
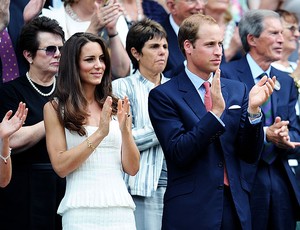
140	16
40	92
72	14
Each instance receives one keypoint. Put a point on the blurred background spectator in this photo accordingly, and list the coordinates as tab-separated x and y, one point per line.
104	20
221	12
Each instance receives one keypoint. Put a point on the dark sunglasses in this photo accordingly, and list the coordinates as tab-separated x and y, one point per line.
293	29
51	50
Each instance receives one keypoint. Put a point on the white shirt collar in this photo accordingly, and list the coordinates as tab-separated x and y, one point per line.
256	70
173	24
196	80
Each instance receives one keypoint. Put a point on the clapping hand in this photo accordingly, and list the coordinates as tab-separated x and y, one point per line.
278	134
260	93
10	125
104	16
124	116
218	103
105	117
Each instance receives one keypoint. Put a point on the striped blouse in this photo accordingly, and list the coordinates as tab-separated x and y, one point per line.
137	89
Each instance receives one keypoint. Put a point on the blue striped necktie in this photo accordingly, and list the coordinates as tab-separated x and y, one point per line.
268	154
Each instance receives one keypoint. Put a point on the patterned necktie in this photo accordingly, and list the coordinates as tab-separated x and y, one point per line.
268	154
208	106
207	97
267	108
8	58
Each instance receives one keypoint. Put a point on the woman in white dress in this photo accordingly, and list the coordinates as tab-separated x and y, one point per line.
89	139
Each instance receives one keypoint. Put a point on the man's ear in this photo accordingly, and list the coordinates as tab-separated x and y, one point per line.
251	39
187	47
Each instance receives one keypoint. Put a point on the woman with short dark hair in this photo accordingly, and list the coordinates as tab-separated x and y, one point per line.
31	199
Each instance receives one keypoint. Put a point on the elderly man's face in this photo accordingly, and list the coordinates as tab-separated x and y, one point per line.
268	46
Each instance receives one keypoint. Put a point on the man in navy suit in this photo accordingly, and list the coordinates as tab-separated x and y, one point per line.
274	197
179	10
203	146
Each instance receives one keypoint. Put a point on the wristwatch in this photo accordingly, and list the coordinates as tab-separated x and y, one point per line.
254	115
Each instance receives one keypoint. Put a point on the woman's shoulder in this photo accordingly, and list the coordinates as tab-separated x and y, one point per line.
50	107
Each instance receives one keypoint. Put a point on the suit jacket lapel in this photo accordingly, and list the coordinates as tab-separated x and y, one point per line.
190	95
175	56
274	97
245	74
225	96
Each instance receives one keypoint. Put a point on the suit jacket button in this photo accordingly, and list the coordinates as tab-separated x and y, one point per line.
220	164
221	187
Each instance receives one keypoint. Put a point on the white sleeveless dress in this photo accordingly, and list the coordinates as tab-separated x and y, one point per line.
96	195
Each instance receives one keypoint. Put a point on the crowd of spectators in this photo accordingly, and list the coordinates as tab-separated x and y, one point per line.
133	47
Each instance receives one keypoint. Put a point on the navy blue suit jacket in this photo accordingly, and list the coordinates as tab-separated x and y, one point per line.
283	105
195	145
176	57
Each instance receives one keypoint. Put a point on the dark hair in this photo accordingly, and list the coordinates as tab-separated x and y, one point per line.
28	39
72	103
253	23
141	32
189	29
